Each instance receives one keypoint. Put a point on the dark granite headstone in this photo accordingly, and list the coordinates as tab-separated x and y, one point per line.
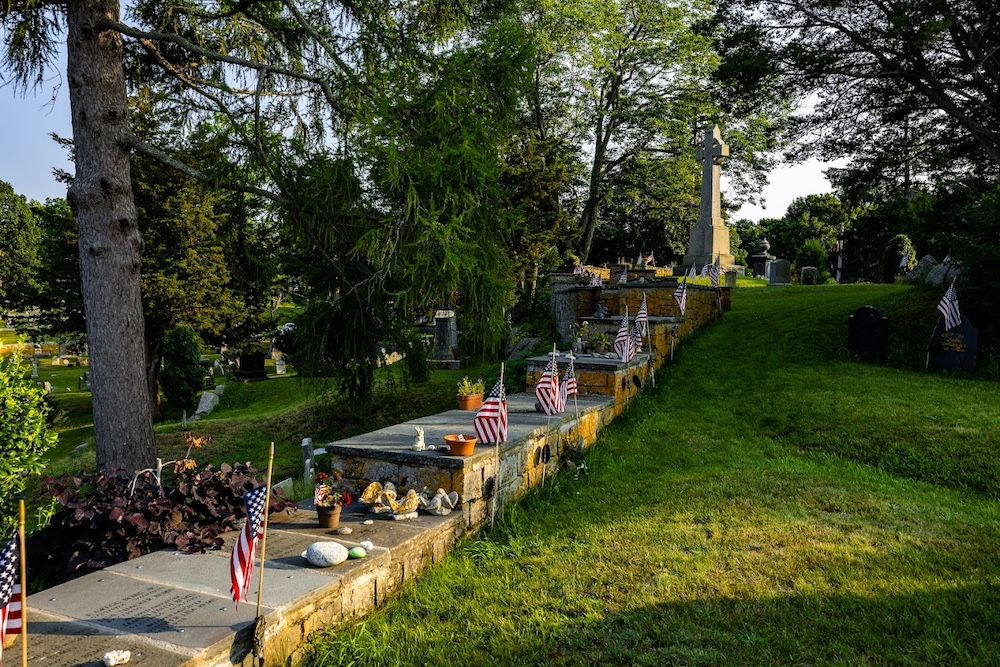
955	349
250	366
868	334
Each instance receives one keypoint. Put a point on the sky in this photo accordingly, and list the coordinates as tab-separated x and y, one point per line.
28	155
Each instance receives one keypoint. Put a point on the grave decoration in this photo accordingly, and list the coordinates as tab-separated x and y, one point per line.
868	334
418	442
470	394
460	445
241	567
382	499
330	499
13	587
440	504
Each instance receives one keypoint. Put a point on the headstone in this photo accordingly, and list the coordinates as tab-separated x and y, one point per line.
34	368
208	402
761	262
780	272
808	275
47	387
279	366
709	240
868	334
250	366
920	271
955	349
445	334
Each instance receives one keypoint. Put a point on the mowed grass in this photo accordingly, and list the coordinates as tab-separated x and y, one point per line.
771	502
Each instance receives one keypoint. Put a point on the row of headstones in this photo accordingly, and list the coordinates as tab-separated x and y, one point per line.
949	350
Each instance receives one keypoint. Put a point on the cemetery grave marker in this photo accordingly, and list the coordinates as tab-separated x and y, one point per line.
868	334
955	349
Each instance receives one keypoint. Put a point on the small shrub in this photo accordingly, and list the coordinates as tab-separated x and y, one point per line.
415	358
469	388
101	520
898	248
24	437
182	374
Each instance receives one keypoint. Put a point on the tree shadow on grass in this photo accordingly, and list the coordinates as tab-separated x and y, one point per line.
958	626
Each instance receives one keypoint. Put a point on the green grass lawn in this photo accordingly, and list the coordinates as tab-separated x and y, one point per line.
771	502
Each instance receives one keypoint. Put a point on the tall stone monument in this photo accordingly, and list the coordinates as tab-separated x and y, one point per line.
710	237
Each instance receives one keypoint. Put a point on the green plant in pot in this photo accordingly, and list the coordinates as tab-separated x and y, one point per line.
599	341
329	499
470	394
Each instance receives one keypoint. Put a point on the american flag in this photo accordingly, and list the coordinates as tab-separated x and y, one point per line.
578	270
568	386
693	273
241	564
623	340
638	262
547	389
704	272
650	261
949	308
904	263
681	296
596	282
635	343
642	318
624	276
10	593
490	422
713	273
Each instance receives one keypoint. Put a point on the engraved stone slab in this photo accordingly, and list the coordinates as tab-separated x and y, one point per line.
59	643
208	574
127	605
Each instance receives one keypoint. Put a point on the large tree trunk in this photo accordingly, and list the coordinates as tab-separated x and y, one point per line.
591	209
110	246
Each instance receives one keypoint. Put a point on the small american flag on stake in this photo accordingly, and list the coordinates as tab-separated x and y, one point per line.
693	273
949	308
713	273
623	340
642	317
547	389
704	272
241	564
624	277
681	296
10	593
490	422
635	343
568	386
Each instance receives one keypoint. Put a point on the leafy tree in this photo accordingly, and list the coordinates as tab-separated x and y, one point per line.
182	371
818	217
865	58
24	436
19	250
813	253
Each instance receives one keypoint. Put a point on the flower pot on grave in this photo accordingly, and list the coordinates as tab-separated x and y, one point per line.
600	348
329	517
460	446
470	402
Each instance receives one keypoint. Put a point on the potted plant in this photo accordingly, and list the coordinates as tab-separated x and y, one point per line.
470	394
600	342
329	499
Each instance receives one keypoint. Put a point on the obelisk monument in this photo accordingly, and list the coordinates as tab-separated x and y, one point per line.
710	237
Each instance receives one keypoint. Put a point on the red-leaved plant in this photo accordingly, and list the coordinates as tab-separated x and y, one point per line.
103	520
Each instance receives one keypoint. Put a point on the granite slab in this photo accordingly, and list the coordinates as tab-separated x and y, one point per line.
57	641
120	604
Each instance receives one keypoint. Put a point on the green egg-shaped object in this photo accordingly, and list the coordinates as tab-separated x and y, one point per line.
357	552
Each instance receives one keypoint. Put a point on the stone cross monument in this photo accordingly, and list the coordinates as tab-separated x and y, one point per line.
710	237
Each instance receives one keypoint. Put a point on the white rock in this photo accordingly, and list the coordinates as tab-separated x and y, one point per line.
367	522
367	545
325	554
112	658
344	530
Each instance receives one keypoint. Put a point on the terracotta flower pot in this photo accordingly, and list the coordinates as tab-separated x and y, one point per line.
329	517
599	348
470	402
458	447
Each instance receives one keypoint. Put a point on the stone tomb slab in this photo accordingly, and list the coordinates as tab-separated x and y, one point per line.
56	642
205	573
383	533
122	604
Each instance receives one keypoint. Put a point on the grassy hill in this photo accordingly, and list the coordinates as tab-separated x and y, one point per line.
771	502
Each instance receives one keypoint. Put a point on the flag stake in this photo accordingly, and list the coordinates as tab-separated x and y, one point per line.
259	621
496	478
548	417
24	584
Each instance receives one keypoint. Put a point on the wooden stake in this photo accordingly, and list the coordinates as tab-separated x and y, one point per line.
24	583
496	478
263	539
